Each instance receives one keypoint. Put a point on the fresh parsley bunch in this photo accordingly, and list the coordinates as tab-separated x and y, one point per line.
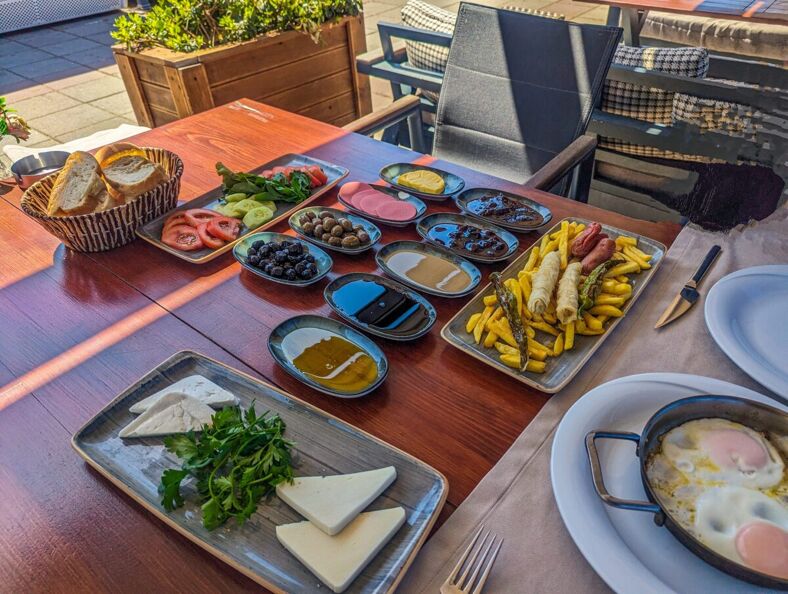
237	460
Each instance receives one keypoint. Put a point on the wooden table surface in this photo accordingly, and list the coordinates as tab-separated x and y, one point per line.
78	328
766	11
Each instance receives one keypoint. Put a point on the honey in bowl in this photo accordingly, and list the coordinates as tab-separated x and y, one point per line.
330	360
429	271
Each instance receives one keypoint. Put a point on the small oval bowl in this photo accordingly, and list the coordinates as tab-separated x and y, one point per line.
28	170
465	265
439	218
322	259
347	192
471	194
342	330
371	229
341	281
390	174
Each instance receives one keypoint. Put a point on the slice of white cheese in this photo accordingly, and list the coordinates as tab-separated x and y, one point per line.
172	413
331	502
196	386
337	560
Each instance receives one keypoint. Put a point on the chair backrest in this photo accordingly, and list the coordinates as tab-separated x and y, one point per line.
518	89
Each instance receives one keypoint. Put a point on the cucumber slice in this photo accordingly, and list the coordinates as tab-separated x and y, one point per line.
258	216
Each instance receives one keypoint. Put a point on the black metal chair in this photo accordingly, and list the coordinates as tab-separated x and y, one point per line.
517	96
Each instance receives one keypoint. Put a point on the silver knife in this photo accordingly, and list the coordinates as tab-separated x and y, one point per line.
689	294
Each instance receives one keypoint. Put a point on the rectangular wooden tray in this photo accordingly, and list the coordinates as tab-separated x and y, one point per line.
151	232
324	445
560	370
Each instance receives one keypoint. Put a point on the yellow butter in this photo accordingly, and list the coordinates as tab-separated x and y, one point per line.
422	180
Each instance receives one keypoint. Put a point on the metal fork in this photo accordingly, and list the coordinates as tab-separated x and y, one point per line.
477	565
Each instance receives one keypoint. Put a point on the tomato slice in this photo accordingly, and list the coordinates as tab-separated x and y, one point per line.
313	181
176	219
278	169
267	174
224	228
318	173
195	216
209	240
182	237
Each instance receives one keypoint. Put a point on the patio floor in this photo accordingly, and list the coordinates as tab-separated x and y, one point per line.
63	79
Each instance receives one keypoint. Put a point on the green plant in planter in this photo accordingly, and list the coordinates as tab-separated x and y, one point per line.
11	124
190	25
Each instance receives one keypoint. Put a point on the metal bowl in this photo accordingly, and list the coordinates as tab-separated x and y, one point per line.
754	415
32	168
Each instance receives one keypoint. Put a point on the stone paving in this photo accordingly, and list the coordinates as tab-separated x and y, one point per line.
63	79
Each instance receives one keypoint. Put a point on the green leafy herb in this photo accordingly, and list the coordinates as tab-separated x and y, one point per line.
237	460
296	188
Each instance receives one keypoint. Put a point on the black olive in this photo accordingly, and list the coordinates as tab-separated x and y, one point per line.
268	268
295	249
299	268
290	274
253	260
258	244
309	258
277	271
294	259
280	257
306	273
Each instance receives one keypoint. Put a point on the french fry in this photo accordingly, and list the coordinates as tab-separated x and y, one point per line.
514	287
514	361
558	347
606	310
625	240
549	317
591	322
538	346
545	328
533	258
477	332
505	349
613	287
569	336
607	299
490	339
630	253
525	286
581	328
495	315
542	246
504	332
472	321
603	319
529	332
622	278
640	253
626	268
563	243
578	230
490	300
553	245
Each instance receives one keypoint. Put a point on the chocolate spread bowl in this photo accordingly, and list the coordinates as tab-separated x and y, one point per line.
510	211
465	236
756	416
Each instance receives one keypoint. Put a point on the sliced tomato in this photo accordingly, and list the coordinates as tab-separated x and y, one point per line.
267	174
224	228
195	216
318	173
176	219
278	169
313	181
182	237
208	239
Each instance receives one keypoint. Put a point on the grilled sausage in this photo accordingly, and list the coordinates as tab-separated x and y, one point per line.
588	238
602	252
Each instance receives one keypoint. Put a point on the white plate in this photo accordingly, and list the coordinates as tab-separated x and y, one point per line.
746	315
626	548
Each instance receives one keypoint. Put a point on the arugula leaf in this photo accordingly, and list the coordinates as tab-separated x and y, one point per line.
236	460
295	189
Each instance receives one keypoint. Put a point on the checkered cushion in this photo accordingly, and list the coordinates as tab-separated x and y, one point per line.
720	116
422	15
650	104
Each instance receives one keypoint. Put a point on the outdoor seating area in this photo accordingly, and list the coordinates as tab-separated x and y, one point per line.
366	298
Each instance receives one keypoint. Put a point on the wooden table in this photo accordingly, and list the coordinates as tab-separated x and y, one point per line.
78	328
631	14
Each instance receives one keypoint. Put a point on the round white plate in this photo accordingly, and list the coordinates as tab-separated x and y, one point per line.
746	315
626	548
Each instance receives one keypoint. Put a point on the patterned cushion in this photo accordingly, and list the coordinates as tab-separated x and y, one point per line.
719	116
421	15
649	104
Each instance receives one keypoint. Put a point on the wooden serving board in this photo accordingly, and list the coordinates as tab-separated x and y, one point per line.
151	232
324	445
560	370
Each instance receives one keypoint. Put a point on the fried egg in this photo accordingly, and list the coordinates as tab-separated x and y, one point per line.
723	452
745	526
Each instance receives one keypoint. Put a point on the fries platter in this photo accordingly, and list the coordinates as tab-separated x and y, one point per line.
558	371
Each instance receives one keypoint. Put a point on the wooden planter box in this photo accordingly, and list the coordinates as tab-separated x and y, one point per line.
286	70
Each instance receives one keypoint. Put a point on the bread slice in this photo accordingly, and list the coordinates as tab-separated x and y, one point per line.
79	188
131	174
105	152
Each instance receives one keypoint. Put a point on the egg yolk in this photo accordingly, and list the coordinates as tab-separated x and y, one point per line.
764	547
733	449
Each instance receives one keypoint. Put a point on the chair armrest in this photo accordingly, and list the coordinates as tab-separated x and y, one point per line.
563	163
382	118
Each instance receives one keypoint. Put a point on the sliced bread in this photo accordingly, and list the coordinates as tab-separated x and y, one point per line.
105	152
79	188
131	174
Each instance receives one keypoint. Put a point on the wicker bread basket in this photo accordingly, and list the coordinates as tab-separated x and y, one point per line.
101	231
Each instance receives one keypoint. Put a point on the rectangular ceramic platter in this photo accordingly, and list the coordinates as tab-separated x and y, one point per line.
560	370
324	445
151	232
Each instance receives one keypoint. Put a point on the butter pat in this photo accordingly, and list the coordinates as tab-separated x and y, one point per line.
337	560
422	180
173	413
331	502
195	386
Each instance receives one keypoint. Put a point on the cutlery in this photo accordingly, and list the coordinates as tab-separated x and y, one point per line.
473	584
689	294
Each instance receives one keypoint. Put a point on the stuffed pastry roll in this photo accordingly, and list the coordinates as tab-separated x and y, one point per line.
544	281
566	309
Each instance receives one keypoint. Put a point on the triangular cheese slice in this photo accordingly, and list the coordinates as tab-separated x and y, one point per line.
331	502
173	413
337	560
196	386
